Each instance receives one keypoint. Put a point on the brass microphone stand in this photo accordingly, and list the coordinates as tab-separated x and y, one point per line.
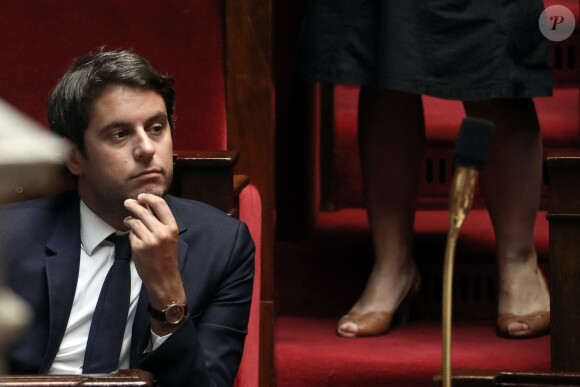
460	201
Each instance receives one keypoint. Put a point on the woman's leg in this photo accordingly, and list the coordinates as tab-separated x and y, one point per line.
510	182
391	142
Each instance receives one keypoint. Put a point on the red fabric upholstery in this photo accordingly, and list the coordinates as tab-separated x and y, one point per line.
250	213
40	39
558	116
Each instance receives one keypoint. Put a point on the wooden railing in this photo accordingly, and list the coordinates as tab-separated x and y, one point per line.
125	378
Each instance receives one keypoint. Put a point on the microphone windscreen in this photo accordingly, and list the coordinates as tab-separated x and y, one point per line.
473	143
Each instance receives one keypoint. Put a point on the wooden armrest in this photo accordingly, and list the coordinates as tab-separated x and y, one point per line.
125	378
563	170
209	177
240	182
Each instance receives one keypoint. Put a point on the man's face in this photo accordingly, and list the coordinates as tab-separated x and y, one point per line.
129	150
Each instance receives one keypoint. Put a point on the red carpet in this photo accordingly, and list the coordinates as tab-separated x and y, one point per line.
310	354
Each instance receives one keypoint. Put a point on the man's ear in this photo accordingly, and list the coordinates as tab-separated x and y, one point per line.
74	159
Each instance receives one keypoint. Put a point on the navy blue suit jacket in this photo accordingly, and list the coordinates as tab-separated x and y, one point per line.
41	240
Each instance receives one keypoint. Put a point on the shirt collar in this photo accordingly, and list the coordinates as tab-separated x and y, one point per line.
93	229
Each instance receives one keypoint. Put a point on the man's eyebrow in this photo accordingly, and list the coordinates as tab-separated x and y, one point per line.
113	125
161	116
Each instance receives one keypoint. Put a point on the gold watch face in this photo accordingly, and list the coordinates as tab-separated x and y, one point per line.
174	314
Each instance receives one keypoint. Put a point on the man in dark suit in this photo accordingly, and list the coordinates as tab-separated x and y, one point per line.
191	265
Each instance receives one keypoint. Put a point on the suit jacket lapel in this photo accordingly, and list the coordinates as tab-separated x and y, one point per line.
181	226
62	269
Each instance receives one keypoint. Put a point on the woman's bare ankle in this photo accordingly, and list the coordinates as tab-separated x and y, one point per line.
523	290
385	289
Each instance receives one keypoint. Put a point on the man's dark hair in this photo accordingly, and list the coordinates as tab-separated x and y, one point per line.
69	104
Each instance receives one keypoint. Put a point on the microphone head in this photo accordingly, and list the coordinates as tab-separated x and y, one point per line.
473	143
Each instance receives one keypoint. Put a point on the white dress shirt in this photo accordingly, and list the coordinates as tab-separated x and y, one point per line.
97	257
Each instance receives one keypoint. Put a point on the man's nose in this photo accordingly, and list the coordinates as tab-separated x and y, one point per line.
144	147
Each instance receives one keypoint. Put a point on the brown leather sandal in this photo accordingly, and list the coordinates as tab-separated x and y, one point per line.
538	322
367	324
379	323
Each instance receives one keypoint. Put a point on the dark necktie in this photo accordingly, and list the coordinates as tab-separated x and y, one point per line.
110	317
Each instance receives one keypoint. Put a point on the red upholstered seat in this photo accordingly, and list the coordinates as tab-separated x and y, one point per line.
557	115
250	213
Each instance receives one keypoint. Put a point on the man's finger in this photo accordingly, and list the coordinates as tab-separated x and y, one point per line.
158	206
138	229
141	213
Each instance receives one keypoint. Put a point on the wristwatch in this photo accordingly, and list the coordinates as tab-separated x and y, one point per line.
173	314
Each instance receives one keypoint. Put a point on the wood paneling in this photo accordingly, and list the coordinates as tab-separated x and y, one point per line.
564	218
249	109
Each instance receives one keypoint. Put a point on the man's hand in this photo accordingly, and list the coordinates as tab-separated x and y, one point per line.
154	236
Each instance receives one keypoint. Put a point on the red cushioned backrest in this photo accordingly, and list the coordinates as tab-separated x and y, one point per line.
39	40
251	214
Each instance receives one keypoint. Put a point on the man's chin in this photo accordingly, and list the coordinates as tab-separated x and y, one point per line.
155	190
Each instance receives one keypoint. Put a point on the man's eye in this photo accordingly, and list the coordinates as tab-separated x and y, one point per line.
157	128
119	134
